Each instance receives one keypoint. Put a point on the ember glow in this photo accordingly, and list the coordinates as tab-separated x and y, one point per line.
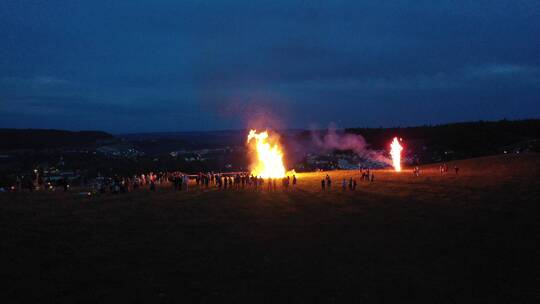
269	156
395	152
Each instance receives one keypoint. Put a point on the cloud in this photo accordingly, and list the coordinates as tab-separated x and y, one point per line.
499	69
73	104
35	81
413	82
221	63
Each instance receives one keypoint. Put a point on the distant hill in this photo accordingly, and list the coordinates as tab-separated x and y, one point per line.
165	142
11	139
462	140
427	143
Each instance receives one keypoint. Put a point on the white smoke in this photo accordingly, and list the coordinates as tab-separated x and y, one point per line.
332	139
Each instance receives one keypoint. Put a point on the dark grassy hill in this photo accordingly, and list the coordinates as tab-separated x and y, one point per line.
437	238
464	140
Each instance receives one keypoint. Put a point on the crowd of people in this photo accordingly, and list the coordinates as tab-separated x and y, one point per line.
444	168
183	182
351	183
117	184
227	181
222	181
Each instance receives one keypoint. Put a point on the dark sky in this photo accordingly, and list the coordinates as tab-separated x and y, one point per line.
136	66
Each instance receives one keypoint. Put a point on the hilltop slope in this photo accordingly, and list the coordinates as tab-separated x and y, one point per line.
430	239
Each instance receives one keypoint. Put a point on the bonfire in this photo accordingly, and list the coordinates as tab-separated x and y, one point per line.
268	161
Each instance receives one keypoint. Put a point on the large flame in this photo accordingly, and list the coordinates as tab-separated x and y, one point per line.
269	162
395	152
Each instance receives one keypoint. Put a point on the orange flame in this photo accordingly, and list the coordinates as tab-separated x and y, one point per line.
395	152
269	163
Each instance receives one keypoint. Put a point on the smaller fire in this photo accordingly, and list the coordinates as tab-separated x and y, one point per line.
395	152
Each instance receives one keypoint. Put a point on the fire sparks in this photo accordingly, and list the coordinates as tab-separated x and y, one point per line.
395	152
269	156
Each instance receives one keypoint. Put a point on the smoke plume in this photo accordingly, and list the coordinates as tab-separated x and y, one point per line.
333	139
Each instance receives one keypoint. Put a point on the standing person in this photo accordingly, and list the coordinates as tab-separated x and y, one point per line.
328	182
323	183
350	183
372	177
354	185
135	185
294	180
274	184
186	182
456	169
152	185
123	185
19	183
65	184
30	185
269	184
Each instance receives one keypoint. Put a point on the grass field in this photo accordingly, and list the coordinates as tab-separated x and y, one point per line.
433	238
